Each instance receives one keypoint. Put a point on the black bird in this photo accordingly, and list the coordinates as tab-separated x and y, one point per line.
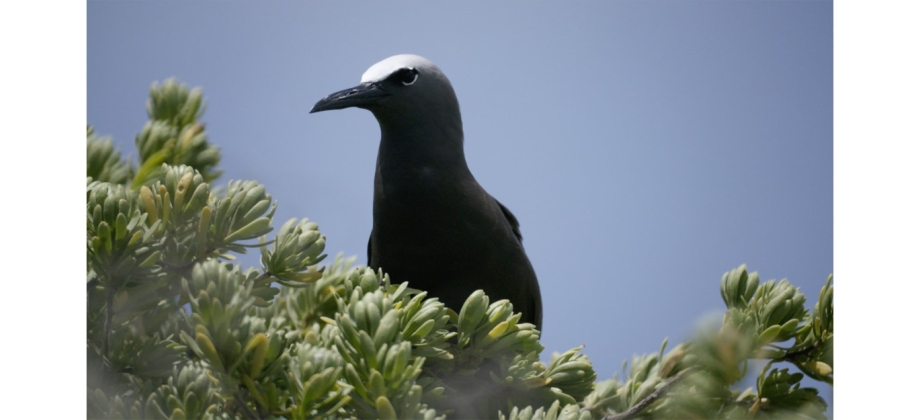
434	225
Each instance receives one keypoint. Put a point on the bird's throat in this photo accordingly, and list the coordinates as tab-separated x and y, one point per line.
428	156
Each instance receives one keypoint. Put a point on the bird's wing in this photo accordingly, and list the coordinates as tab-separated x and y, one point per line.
513	221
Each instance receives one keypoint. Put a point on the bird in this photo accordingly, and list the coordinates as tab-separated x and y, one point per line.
433	224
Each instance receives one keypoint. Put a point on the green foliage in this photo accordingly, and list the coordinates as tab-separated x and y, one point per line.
569	412
176	330
103	160
173	135
298	246
701	373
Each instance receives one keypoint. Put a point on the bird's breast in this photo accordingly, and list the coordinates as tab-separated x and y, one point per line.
449	237
427	216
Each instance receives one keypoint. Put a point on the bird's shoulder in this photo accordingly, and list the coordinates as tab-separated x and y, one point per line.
513	221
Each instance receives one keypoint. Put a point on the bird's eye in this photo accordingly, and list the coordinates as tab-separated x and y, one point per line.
407	76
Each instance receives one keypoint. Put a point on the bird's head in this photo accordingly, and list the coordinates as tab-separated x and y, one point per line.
401	89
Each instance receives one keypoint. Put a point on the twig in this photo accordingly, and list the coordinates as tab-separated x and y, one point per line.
793	356
109	301
634	411
242	404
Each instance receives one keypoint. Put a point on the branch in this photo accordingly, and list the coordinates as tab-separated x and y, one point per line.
634	411
794	355
243	406
107	327
796	358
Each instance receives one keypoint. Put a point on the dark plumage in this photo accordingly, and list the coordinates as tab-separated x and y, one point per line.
434	225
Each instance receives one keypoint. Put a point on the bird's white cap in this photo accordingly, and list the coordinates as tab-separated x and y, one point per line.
387	66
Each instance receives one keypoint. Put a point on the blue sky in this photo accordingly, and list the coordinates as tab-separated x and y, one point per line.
645	147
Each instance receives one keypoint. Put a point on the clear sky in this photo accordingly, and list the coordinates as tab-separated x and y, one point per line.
645	147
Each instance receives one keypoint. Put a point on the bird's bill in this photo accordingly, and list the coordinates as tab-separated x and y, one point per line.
361	96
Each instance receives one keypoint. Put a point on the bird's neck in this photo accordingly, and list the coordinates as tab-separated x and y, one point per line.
415	148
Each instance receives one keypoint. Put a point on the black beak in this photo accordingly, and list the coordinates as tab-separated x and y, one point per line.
361	96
